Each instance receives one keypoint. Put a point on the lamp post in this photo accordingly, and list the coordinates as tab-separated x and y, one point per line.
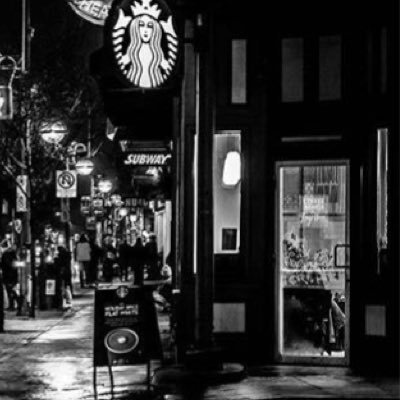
105	186
52	131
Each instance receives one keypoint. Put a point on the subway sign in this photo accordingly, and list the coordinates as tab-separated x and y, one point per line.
148	159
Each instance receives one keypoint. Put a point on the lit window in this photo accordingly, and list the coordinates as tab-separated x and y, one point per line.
227	191
239	73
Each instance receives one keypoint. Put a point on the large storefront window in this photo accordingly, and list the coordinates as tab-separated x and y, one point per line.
226	185
313	260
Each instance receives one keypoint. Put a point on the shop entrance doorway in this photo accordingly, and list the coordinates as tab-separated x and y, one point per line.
313	262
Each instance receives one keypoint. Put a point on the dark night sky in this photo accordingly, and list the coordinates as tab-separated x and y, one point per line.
52	21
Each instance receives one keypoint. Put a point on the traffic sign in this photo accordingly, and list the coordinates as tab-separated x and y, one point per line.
22	188
66	184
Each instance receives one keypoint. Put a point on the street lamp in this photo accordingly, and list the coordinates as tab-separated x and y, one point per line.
53	131
84	166
123	212
105	186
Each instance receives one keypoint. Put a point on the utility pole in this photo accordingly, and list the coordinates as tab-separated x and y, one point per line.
25	66
29	222
205	127
26	36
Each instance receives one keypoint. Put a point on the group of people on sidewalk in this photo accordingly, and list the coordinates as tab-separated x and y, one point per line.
96	264
117	261
125	262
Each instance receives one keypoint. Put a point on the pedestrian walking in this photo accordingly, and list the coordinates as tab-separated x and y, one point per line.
95	256
165	288
138	256
10	274
63	263
123	259
154	272
83	257
109	259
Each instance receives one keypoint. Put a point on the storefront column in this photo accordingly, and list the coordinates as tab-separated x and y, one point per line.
184	299
205	126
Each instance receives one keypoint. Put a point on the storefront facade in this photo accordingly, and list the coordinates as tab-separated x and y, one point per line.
287	185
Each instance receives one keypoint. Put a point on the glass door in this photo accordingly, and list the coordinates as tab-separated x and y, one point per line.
313	262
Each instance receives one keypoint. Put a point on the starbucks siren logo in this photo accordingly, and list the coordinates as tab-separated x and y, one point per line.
145	45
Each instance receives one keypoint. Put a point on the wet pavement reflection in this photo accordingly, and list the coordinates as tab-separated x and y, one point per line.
50	358
54	361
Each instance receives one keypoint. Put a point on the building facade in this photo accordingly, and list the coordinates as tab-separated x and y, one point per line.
285	206
287	186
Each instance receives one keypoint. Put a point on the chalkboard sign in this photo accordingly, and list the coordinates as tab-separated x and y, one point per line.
125	326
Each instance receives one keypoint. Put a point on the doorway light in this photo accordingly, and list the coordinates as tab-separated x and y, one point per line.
231	169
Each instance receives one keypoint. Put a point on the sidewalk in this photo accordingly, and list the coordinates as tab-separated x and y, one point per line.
50	357
22	330
282	382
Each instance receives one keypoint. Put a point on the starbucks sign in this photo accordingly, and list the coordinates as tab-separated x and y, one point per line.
144	42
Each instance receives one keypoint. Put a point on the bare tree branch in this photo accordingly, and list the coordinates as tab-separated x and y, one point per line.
16	161
10	173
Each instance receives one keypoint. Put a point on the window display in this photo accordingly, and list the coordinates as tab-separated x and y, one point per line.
313	266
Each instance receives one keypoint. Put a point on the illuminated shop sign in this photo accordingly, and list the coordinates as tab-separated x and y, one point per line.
155	159
94	11
144	42
6	103
314	204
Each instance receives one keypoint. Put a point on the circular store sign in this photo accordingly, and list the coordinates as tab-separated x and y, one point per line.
121	341
94	11
144	42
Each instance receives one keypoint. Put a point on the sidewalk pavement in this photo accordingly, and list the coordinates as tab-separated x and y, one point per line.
21	330
260	383
282	382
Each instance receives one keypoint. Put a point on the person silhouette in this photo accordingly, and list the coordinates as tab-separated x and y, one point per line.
138	256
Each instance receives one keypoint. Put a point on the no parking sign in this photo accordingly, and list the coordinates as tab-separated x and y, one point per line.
66	184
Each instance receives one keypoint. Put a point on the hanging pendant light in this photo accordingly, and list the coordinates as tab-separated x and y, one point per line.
231	169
